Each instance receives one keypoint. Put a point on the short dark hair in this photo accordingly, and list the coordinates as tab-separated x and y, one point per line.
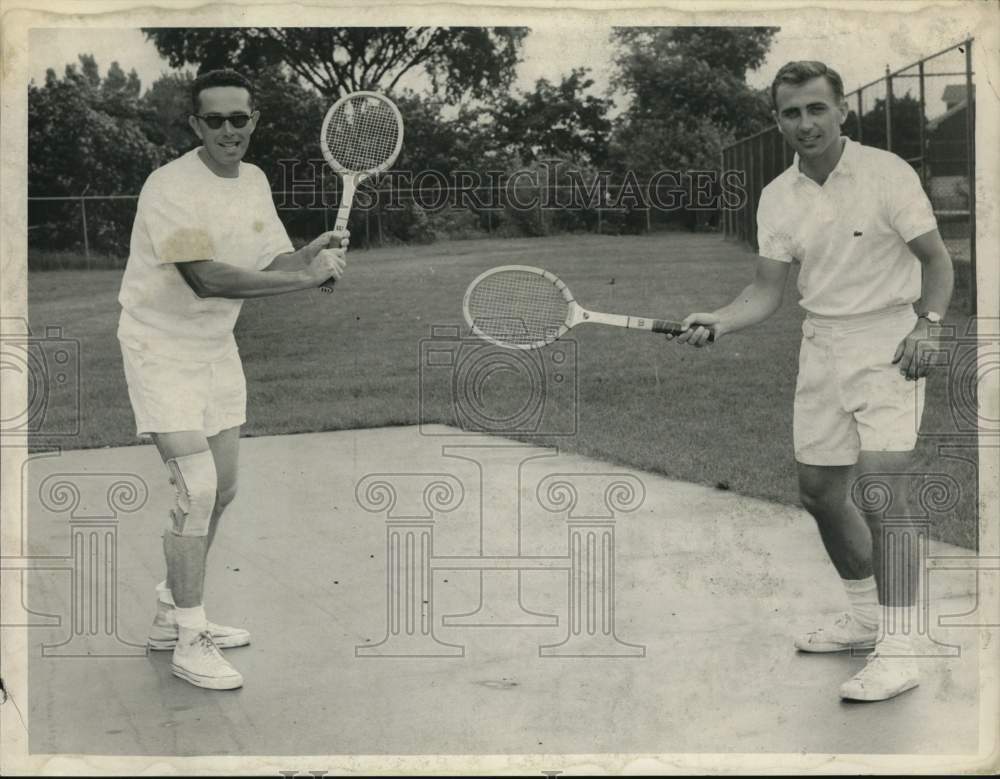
800	72
218	78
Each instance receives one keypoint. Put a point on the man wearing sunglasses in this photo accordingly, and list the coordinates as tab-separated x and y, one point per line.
206	236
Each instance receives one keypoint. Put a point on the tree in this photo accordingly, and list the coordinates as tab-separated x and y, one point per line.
168	102
438	139
687	95
88	135
471	61
117	84
290	118
555	120
907	116
698	72
442	149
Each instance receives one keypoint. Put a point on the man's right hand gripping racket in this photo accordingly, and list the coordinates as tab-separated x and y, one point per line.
520	307
361	137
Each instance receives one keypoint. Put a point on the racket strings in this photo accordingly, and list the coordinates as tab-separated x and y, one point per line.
518	307
362	134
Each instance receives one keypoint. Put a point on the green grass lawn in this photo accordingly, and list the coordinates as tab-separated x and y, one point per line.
359	358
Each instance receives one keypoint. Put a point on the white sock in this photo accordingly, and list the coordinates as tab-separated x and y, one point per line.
164	594
895	628
862	594
190	622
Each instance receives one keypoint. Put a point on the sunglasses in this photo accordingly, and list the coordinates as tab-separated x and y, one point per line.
215	121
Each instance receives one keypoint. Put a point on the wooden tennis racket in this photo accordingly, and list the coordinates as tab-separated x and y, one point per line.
361	137
520	307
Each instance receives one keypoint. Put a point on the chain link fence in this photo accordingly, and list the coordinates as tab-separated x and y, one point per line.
93	231
925	113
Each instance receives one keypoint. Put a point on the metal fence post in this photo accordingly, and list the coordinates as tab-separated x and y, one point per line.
970	156
888	109
726	226
748	183
86	240
738	214
923	127
861	131
758	189
751	195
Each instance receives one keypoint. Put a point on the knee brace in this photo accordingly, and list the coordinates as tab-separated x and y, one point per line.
194	479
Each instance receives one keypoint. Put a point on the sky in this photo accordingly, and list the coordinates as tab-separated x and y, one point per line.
55	48
861	58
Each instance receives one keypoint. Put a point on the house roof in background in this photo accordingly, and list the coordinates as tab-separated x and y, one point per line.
954	93
955	109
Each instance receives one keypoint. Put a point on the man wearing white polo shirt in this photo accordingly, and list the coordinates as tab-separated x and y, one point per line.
859	223
206	237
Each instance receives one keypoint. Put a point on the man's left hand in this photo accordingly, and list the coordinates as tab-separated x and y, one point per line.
915	353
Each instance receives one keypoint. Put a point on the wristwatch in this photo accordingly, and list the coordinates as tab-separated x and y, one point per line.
931	316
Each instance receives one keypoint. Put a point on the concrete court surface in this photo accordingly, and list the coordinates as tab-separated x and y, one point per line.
709	587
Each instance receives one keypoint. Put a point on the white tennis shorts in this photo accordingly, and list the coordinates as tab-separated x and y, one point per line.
849	397
170	395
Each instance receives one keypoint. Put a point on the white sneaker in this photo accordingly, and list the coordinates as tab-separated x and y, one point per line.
844	633
163	633
881	678
201	663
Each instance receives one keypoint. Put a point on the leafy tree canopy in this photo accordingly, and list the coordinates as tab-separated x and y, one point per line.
460	61
555	120
687	92
89	133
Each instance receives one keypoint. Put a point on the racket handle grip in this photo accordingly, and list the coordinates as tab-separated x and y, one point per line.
676	328
327	286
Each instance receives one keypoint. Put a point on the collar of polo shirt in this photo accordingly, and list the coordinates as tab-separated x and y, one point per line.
846	165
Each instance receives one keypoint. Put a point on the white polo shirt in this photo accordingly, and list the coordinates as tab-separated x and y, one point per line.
850	234
186	212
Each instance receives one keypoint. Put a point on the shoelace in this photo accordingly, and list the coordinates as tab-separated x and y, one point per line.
840	622
209	649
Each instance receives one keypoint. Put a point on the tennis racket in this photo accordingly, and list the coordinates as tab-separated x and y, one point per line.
361	137
520	307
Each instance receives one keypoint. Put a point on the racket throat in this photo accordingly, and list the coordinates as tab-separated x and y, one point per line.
582	316
630	322
349	185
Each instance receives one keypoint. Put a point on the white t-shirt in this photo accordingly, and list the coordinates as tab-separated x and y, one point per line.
850	234
187	212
